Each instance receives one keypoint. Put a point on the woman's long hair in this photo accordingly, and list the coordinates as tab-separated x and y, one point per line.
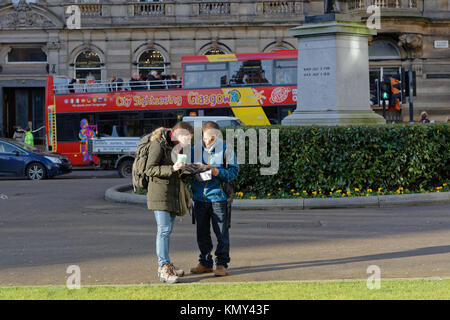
180	125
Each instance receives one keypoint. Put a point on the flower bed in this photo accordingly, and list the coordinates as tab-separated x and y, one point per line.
303	194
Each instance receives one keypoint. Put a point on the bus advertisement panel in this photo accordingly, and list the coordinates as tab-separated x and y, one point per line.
179	99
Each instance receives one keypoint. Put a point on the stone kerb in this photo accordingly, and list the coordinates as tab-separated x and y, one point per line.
123	194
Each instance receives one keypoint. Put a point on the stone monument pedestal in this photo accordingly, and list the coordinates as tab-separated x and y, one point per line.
333	73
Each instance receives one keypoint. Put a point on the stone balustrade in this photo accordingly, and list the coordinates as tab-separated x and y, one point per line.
150	9
283	7
90	9
184	11
214	8
104	13
384	4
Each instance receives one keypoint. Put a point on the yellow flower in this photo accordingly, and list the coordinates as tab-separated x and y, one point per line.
438	188
348	192
297	194
369	190
314	192
252	198
356	189
338	191
292	190
304	191
268	194
367	194
444	184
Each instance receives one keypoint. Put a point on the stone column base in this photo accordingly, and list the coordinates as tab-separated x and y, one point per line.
333	118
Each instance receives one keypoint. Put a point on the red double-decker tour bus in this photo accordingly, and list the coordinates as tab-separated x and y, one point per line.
257	88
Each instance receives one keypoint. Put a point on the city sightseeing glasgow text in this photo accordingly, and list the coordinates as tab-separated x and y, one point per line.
193	98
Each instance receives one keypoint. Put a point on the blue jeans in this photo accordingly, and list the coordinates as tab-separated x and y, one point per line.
165	221
215	214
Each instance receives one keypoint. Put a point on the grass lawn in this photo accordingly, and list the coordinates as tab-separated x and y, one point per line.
329	290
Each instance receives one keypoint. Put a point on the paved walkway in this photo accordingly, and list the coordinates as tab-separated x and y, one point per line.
48	225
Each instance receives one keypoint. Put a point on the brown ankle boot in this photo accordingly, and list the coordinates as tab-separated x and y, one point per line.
201	269
220	271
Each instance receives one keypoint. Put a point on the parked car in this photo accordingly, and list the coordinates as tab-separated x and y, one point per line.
22	160
222	121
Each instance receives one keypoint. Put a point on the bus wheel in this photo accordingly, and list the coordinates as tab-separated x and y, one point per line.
125	168
36	171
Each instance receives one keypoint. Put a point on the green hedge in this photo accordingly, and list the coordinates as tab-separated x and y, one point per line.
328	159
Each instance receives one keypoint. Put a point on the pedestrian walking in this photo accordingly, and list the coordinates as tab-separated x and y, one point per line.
210	200
424	117
19	134
29	138
166	194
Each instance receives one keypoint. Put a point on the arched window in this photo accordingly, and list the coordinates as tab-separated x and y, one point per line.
151	60
88	66
384	50
278	48
213	51
278	45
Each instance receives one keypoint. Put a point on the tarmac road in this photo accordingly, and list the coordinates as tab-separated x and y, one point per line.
46	226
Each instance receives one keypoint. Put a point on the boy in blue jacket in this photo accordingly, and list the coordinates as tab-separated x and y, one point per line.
210	201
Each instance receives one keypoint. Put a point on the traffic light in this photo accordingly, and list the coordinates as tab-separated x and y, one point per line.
396	92
385	90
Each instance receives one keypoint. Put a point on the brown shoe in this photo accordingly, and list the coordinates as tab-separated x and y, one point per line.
201	269
220	271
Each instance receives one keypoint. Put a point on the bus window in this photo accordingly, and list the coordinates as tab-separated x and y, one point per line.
105	129
211	75
251	72
132	128
216	66
286	72
192	80
194	67
153	115
150	125
68	126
